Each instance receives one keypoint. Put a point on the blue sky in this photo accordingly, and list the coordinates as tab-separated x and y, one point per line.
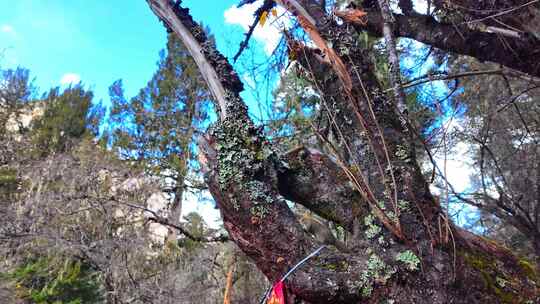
100	41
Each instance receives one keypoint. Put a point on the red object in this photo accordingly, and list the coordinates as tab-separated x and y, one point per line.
278	294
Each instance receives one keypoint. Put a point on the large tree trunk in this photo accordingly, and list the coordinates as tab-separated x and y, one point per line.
408	251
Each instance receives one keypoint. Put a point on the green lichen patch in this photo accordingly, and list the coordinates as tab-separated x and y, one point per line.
245	165
377	272
408	258
505	286
337	266
501	282
402	153
372	229
404	205
7	176
528	269
9	182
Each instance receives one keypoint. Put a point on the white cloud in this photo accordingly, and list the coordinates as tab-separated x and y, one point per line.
204	207
458	166
457	162
421	6
70	78
8	29
269	34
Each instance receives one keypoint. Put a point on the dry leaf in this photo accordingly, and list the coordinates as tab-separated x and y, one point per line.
352	15
262	21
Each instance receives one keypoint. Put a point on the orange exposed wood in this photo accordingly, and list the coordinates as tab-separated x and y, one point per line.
352	15
333	58
228	287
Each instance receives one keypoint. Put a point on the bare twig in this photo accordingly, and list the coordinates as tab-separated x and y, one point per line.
503	12
156	218
267	5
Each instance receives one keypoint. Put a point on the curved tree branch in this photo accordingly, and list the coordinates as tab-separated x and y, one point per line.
519	53
193	37
243	174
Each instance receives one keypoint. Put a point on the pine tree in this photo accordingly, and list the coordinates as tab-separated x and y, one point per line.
16	93
404	249
157	126
65	118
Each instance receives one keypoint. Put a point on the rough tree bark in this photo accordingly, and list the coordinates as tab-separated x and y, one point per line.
408	252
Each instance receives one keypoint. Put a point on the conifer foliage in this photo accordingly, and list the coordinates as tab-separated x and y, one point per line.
156	128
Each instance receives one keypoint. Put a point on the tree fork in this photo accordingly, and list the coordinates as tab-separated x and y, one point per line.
243	175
